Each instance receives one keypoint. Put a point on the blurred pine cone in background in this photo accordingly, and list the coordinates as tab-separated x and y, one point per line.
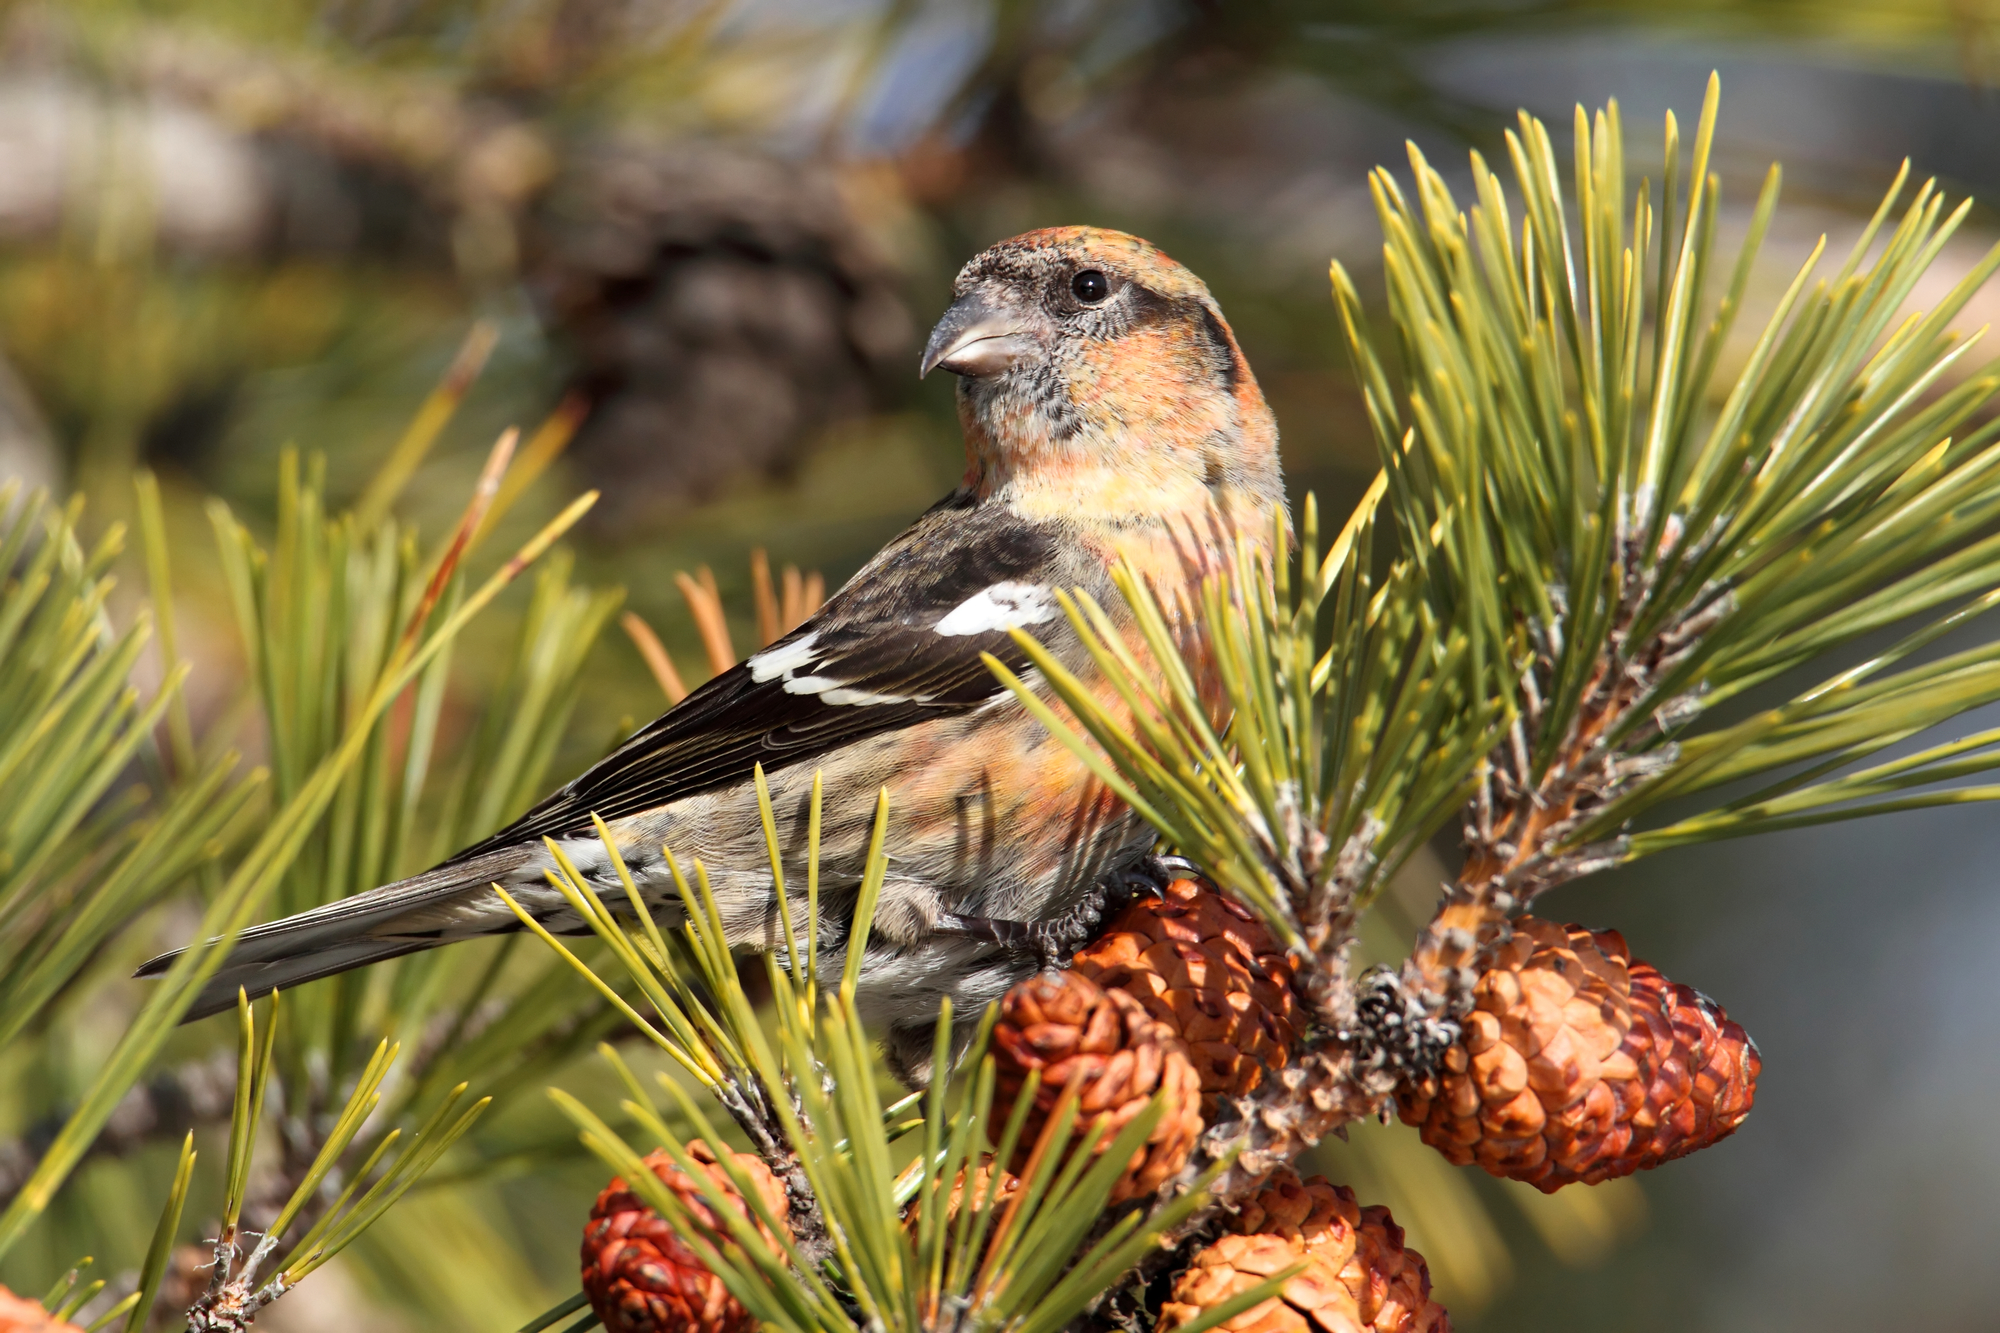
1203	964
982	1184
642	1277
1578	1064
720	307
1356	1273
1070	1028
719	303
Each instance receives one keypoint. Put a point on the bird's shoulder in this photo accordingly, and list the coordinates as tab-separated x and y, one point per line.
947	588
900	643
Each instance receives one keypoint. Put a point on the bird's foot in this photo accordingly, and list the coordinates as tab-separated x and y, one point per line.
1054	942
991	930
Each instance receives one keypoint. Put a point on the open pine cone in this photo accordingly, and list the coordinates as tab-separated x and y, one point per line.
1202	963
1357	1275
1578	1064
642	1277
1070	1028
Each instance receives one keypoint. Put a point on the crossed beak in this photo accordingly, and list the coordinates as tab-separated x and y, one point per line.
976	337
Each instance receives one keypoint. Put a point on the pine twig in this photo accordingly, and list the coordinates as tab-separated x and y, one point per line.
189	1096
1520	826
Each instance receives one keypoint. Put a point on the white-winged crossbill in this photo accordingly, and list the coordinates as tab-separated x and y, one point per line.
1109	415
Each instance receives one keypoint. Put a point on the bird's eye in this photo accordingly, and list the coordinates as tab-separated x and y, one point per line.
1090	286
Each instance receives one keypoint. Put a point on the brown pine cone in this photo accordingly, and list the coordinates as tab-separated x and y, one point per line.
20	1315
1718	1059
1357	1275
721	306
640	1275
1069	1027
1578	1064
982	1181
1202	962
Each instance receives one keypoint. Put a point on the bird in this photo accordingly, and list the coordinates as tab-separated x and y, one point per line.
1110	418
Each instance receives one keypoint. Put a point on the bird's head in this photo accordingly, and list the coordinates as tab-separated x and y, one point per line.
1096	374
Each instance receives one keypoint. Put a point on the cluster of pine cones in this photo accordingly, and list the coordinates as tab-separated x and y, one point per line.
1576	1064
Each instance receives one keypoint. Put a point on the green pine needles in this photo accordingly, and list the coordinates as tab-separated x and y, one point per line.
115	801
335	1206
1628	544
1598	573
800	1080
1598	542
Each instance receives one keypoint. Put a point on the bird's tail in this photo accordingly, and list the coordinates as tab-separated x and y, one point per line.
452	902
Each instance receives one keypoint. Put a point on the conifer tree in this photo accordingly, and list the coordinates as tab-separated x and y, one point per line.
1592	584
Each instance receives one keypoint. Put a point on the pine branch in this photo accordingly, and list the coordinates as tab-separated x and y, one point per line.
1649	561
353	614
848	1257
236	1290
1593	542
186	1097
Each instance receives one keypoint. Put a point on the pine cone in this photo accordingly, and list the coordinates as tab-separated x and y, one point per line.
982	1181
1201	962
642	1277
1357	1277
722	307
1578	1064
1069	1027
20	1315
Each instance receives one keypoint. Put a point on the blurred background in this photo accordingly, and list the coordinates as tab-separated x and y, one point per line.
715	234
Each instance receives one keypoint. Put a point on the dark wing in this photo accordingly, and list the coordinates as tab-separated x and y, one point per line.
900	644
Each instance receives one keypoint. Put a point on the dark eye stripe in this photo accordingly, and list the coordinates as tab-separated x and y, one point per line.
1149	307
1225	349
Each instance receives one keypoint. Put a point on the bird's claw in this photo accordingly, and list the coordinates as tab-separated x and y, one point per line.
1150	875
1053	941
